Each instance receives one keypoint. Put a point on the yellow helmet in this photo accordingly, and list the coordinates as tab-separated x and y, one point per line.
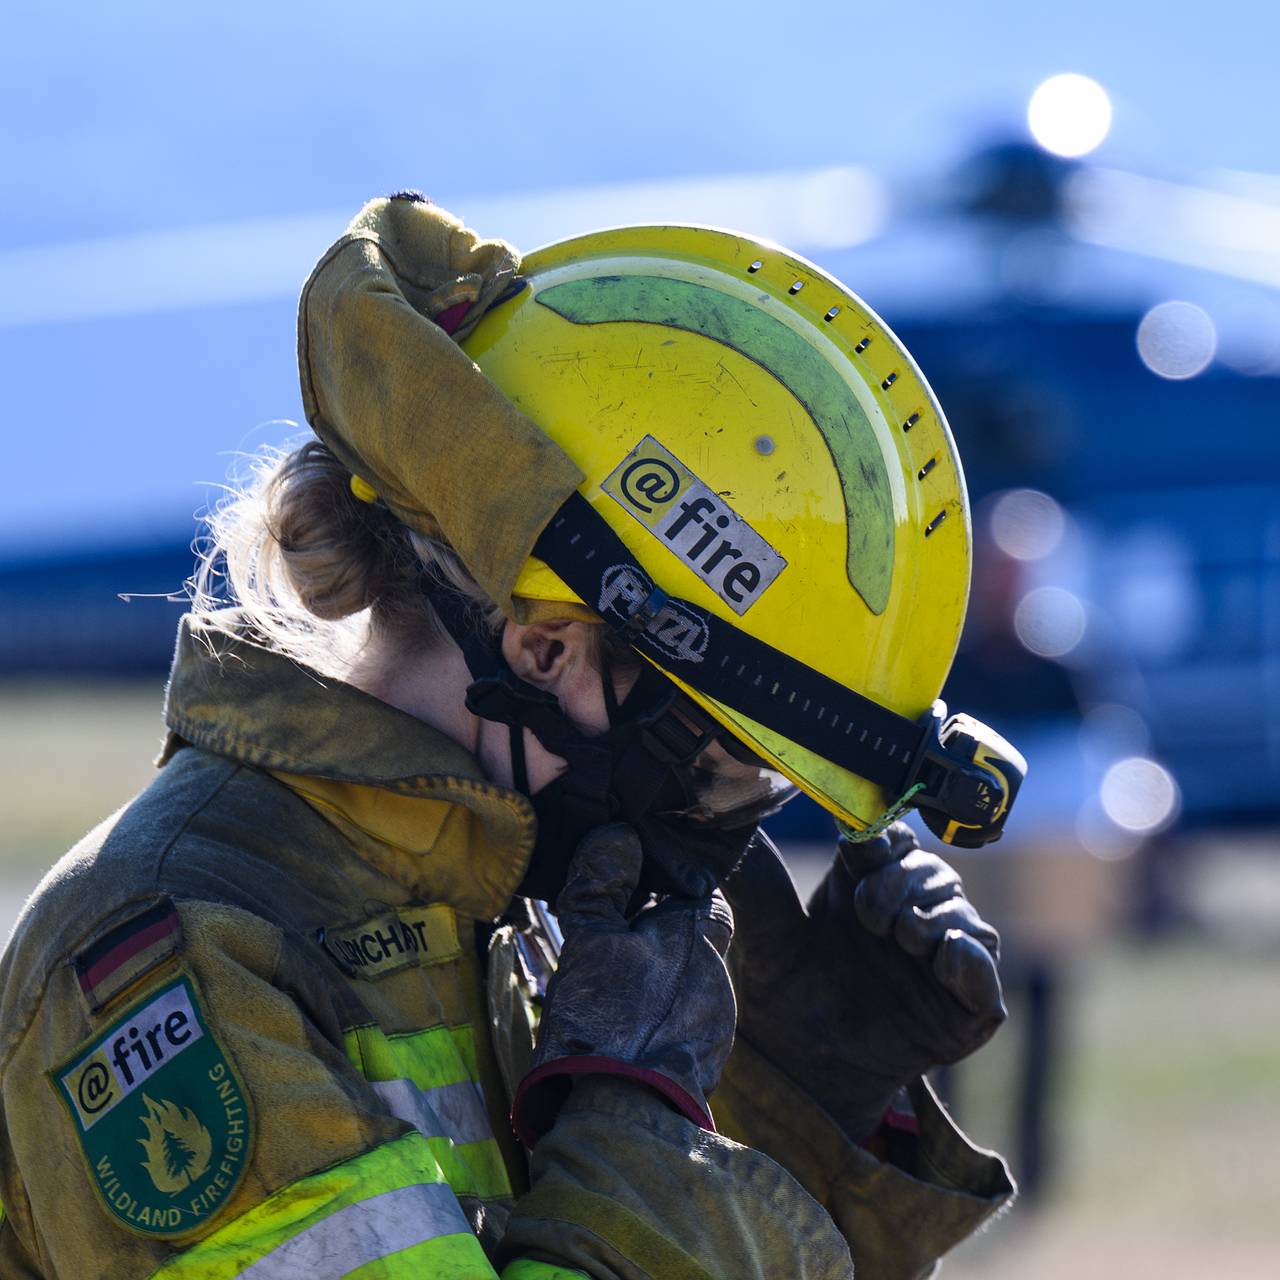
774	512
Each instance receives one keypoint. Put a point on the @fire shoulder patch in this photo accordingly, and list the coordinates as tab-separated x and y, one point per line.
160	1113
695	524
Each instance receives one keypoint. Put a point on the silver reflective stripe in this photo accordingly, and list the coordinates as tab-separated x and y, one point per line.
364	1232
454	1111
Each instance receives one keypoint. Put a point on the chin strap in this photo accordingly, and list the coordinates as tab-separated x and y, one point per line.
639	771
497	694
631	770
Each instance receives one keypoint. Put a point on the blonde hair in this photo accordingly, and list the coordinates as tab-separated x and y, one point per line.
314	572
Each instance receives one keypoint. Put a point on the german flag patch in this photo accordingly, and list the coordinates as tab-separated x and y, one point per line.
115	961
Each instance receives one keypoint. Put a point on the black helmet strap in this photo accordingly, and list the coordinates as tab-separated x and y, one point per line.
924	759
640	764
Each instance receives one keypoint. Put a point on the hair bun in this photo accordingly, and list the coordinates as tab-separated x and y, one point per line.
341	555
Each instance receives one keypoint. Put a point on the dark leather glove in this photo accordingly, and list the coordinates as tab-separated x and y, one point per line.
889	972
647	998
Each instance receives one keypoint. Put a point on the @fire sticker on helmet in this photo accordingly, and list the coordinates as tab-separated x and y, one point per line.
694	523
160	1114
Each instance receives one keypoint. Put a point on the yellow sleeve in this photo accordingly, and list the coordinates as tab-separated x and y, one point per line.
376	369
624	1186
897	1220
206	1124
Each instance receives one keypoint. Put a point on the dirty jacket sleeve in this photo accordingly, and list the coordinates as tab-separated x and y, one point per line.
899	1213
625	1187
242	1143
390	392
249	1144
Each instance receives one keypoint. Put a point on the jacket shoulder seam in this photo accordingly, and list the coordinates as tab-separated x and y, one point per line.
168	846
36	1000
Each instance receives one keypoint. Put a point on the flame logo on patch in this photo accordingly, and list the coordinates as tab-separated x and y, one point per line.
178	1146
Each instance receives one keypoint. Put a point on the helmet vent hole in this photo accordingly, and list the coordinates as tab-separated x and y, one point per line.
928	466
796	286
888	382
765	445
863	345
831	315
754	267
935	522
911	422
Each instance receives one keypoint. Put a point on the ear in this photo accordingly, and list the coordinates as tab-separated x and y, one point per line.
546	654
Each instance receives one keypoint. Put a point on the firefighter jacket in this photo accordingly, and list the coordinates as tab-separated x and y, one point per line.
260	1024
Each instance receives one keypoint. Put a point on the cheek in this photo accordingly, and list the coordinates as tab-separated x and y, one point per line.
582	699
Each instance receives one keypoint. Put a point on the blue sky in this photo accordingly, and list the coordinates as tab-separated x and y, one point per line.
131	118
139	115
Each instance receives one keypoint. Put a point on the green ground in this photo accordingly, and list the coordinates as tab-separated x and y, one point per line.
1169	1115
1168	1120
70	754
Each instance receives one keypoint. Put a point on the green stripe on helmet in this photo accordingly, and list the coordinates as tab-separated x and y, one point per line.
761	337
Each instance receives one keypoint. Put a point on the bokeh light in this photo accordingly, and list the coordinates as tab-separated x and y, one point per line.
1177	340
1027	524
1069	114
1140	795
1049	621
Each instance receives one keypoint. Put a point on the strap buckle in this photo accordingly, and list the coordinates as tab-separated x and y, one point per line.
673	737
642	615
966	778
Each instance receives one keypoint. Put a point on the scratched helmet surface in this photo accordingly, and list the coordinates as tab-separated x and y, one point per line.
765	447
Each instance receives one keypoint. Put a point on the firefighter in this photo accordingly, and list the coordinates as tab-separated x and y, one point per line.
595	560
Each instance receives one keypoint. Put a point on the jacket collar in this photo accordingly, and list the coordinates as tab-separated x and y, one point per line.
234	698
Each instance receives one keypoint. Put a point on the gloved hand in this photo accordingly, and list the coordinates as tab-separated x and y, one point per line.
647	998
889	972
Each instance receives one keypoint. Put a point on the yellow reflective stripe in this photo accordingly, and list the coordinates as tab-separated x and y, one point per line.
440	1056
474	1169
464	1041
374	1233
529	1269
326	1225
416	1073
421	1264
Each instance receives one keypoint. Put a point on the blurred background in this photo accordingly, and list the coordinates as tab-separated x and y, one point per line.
1071	214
